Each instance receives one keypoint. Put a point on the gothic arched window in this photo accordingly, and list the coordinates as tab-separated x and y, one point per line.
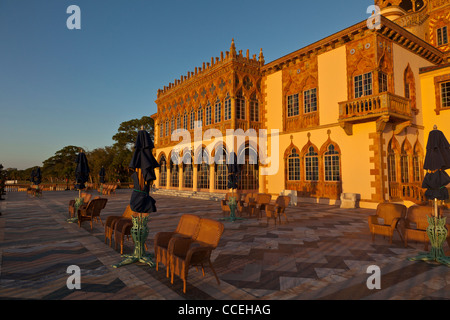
331	164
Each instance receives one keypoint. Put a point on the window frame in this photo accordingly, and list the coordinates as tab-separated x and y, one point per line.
293	109
294	173
312	165
310	104
442	36
364	84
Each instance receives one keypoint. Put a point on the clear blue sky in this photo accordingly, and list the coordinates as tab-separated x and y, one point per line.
61	87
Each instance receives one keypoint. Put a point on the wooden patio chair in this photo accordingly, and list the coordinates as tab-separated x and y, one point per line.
386	219
187	252
187	227
92	211
245	205
416	224
262	200
275	211
111	222
122	229
86	198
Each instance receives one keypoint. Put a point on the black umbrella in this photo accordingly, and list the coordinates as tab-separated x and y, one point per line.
33	175
144	164
81	171
233	171
437	160
38	177
438	151
102	175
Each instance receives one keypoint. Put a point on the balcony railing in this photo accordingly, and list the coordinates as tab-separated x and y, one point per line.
369	107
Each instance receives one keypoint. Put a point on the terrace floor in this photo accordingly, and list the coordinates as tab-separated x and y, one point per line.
322	252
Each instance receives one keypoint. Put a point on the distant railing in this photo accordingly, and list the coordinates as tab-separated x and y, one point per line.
22	187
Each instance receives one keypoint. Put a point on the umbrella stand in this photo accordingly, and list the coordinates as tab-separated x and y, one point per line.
139	233
233	206
437	233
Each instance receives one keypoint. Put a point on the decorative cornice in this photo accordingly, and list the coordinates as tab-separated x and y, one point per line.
389	29
230	58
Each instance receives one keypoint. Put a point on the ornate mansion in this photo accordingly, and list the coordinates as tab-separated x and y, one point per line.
349	113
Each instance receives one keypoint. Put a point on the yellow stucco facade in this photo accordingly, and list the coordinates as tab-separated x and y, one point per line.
349	113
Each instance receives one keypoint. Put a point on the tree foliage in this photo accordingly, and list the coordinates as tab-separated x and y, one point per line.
115	159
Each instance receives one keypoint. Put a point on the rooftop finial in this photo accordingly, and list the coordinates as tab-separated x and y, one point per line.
261	57
232	48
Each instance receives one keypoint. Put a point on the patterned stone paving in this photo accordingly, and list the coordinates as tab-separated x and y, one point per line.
322	252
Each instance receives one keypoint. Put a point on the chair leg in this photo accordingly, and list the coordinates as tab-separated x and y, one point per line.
214	272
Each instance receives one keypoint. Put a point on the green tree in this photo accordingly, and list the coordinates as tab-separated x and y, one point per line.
62	164
127	132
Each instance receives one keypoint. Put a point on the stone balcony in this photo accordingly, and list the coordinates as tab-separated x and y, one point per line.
383	107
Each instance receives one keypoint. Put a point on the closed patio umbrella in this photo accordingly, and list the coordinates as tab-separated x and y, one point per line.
81	177
232	183
143	163
102	175
38	177
437	160
82	170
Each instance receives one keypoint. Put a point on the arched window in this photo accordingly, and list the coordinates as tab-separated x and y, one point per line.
178	123
417	164
162	172
254	108
221	170
331	164
218	111
191	126
227	108
188	170
174	181
172	125
249	175
311	165
392	173
208	115
404	165
294	166
167	128
240	106
200	117
203	170
185	120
